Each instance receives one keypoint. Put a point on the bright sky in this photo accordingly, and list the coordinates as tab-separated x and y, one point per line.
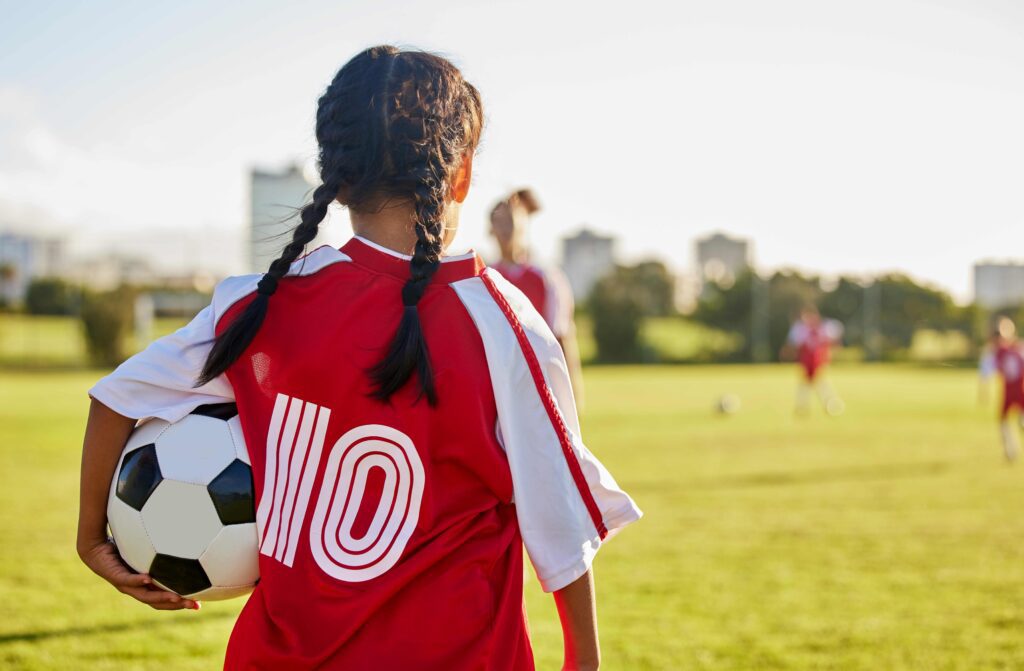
840	136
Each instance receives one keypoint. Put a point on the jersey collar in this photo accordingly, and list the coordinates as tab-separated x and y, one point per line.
383	260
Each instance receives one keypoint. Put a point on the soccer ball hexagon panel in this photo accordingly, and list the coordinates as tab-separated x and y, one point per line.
195	450
180	519
181	505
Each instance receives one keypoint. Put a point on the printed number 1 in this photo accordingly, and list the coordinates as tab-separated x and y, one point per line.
295	442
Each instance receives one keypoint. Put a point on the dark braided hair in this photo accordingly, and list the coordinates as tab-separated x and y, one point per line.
392	125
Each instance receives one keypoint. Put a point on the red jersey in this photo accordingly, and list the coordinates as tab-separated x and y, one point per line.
547	290
814	343
1008	361
391	534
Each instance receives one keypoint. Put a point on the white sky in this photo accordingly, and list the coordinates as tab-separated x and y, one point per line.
839	135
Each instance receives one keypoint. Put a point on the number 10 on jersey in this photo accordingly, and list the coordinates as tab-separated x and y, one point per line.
295	442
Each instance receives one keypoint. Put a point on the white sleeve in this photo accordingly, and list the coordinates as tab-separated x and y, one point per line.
160	380
566	501
558	303
834	330
797	334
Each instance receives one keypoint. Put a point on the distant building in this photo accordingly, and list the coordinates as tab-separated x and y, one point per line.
721	258
998	284
587	257
109	271
275	198
24	258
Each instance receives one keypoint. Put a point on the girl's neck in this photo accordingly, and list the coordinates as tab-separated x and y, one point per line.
391	228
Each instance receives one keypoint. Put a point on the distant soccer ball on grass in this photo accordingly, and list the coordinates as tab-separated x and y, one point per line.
728	404
181	506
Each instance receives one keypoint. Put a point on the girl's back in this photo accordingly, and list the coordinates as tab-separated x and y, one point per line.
434	482
395	485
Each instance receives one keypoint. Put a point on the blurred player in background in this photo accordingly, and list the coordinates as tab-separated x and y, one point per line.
547	288
1005	356
810	342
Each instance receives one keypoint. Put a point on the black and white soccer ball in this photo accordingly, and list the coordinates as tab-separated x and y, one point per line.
181	506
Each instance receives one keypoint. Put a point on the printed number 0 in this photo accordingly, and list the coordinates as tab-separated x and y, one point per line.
330	534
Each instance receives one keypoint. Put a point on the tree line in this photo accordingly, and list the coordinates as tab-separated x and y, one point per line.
881	314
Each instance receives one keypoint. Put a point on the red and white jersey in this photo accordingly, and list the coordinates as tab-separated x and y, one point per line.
392	533
813	337
1007	361
548	291
814	341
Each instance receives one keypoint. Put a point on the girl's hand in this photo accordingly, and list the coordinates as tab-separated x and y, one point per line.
104	561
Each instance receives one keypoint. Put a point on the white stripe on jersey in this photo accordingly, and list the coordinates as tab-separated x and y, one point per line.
309	475
270	464
295	441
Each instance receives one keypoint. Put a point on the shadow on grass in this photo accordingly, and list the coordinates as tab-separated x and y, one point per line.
112	628
820	476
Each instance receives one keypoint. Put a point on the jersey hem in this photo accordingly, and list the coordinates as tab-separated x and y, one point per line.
566	576
100	393
109	398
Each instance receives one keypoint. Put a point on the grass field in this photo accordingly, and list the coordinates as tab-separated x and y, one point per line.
889	538
36	342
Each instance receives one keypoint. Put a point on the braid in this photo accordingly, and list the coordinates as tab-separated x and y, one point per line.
232	342
408	351
433	117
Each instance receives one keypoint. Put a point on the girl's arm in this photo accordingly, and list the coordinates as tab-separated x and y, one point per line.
577	609
105	436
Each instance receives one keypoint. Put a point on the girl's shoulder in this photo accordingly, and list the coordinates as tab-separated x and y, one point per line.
231	290
495	303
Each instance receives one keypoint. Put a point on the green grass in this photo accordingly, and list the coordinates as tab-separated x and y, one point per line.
889	538
670	339
31	341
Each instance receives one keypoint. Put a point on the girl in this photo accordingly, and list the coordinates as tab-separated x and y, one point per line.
408	414
1005	356
548	290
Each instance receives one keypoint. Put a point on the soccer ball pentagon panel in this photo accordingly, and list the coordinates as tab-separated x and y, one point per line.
181	505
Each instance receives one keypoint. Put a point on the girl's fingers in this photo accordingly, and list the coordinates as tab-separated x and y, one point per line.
127	579
107	563
153	596
139	586
181	605
167	606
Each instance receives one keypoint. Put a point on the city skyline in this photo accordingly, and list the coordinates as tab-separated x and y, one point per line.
879	138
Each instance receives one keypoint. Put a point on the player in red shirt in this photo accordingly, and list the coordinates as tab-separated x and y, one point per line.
547	288
1005	356
810	342
408	413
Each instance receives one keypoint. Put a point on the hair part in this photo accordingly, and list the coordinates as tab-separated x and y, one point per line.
392	125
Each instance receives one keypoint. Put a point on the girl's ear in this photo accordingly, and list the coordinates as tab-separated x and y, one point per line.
463	177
